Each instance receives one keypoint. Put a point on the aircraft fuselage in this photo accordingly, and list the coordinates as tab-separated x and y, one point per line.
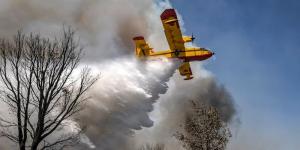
189	54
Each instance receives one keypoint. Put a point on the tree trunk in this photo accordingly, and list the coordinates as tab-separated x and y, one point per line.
22	146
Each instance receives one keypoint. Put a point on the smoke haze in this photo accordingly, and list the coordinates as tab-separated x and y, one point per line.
169	112
127	89
105	27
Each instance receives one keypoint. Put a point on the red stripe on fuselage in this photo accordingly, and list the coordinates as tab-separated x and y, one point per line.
196	58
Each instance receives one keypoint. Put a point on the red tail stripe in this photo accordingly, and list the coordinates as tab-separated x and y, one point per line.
168	13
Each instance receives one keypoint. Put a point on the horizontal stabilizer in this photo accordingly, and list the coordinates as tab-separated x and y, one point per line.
142	48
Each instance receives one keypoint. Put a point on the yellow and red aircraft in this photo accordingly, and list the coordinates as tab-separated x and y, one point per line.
176	43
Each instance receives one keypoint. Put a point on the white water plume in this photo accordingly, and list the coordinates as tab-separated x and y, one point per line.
122	98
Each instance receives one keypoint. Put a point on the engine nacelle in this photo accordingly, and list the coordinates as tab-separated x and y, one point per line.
188	39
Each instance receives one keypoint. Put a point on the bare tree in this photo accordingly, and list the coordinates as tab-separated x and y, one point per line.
38	86
204	129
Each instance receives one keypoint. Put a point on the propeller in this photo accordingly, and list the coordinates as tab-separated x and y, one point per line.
193	38
214	57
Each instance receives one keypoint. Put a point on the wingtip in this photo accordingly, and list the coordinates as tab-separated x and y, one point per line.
168	13
188	78
138	38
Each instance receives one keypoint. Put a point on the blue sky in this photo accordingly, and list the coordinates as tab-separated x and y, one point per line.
258	56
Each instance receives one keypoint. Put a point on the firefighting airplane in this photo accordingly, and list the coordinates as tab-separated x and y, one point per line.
176	43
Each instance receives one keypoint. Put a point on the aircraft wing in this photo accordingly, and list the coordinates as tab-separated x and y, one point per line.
185	70
172	30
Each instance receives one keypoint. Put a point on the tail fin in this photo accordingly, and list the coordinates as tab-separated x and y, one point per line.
142	49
